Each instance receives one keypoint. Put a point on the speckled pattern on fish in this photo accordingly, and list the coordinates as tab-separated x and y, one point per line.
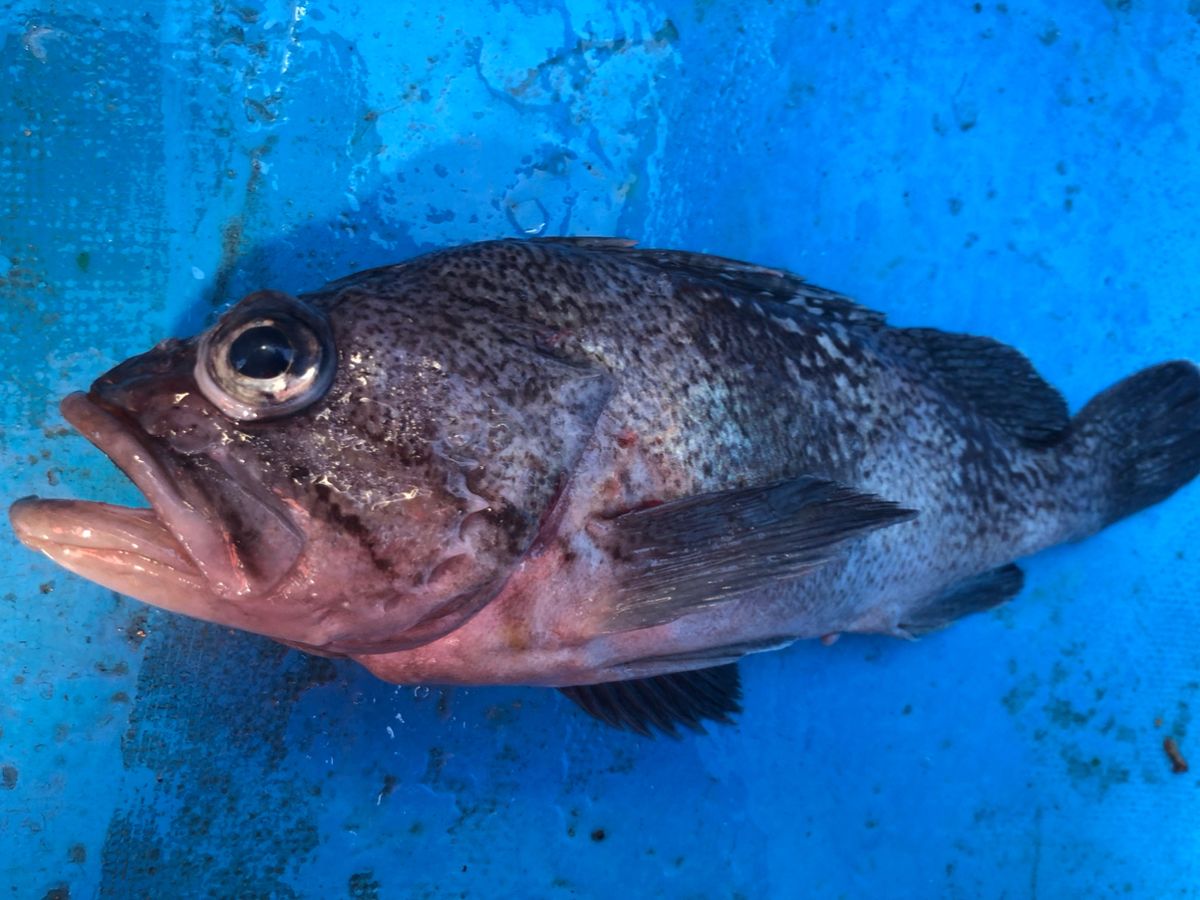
571	461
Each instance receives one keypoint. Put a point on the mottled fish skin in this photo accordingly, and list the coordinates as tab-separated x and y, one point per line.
716	388
445	512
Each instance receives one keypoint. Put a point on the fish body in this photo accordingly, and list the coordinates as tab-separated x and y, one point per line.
575	463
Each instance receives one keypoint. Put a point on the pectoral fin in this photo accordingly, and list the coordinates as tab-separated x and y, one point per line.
663	701
686	555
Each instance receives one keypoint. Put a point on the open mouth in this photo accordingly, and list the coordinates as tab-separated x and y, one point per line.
151	554
216	544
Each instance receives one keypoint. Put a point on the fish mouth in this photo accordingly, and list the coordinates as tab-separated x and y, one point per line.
174	554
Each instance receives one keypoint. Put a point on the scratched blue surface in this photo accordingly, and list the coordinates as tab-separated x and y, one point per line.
1025	171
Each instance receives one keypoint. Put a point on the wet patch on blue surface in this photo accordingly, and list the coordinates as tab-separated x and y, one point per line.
1023	173
208	753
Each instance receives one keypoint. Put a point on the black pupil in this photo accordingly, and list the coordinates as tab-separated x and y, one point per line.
261	352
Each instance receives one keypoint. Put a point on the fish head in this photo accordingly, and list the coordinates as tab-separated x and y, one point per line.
358	471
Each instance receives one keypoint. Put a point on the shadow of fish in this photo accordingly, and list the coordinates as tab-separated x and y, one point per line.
574	463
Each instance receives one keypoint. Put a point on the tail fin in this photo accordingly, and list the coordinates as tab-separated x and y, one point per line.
1145	432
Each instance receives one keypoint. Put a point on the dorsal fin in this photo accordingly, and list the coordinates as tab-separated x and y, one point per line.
995	379
759	282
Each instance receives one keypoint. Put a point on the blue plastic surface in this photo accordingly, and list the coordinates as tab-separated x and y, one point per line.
1025	171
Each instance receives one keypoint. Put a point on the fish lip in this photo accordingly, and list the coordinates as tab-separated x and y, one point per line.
187	518
125	549
122	444
97	529
183	539
88	533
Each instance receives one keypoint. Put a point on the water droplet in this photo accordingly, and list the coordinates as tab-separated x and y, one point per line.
499	436
528	216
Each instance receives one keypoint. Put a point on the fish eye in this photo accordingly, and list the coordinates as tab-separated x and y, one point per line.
269	356
261	352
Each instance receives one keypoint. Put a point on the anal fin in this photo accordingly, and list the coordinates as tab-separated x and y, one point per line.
663	702
973	595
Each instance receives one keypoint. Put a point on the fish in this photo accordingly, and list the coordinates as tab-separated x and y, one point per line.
581	464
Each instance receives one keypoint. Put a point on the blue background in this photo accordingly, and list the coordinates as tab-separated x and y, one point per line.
1027	171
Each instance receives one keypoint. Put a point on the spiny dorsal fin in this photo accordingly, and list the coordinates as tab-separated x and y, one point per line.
995	379
759	282
977	594
688	554
663	701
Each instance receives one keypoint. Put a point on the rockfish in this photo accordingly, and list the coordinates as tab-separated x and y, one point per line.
610	470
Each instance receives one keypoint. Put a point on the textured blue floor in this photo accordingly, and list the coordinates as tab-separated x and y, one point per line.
1025	171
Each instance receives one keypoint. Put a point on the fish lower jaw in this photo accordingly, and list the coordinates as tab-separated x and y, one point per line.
125	549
